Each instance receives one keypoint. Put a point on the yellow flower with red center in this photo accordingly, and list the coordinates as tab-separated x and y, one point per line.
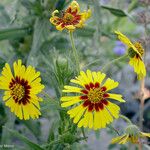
21	90
135	52
132	134
71	18
92	107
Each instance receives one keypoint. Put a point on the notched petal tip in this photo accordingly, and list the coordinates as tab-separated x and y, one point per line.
54	13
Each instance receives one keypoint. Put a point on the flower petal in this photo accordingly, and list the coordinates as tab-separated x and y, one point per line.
110	84
116	97
118	139
145	134
71	102
113	109
138	66
72	89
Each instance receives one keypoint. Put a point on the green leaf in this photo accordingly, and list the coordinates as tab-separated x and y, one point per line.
40	33
5	19
133	5
5	138
13	33
85	32
32	145
114	11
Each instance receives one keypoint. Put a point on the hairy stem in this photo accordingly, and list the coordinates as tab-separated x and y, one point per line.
74	52
125	118
113	61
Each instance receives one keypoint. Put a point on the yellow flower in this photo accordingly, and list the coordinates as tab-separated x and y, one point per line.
132	134
21	90
71	18
135	52
92	107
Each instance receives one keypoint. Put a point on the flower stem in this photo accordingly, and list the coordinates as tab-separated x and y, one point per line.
142	87
74	52
112	128
125	118
113	61
50	98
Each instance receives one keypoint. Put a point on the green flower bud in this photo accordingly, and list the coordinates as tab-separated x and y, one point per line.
134	133
68	138
132	130
62	63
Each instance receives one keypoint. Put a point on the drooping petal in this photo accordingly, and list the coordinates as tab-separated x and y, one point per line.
138	66
145	134
124	140
124	39
118	139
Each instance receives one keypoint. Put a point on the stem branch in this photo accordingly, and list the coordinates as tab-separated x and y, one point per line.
125	118
113	61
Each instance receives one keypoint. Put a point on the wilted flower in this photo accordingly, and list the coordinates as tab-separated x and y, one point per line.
71	18
92	106
21	90
135	52
132	134
119	48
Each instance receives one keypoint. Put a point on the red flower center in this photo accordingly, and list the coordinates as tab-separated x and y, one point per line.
94	96
20	90
68	18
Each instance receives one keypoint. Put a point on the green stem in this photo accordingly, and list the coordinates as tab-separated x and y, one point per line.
112	128
48	96
84	136
113	61
125	118
74	52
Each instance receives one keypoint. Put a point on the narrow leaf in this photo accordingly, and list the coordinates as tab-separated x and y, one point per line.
114	11
13	33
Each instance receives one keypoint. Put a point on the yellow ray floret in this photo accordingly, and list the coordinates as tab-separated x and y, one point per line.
138	66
